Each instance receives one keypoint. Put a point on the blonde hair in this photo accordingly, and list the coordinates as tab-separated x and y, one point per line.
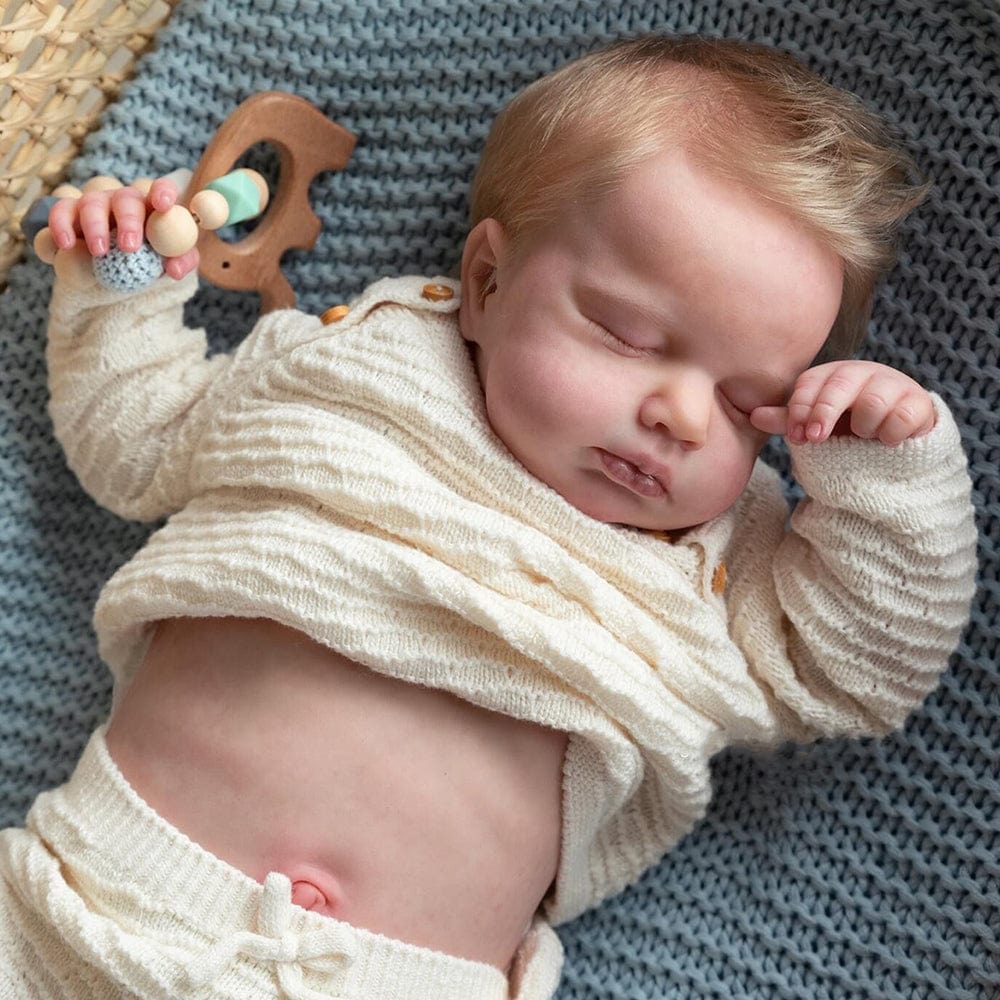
752	114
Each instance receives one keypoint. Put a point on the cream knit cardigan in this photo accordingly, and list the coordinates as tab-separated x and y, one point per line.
344	480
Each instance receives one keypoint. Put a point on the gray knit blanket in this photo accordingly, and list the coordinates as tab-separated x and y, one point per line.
838	870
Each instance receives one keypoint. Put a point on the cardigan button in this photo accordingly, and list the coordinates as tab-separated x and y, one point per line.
334	314
437	293
666	536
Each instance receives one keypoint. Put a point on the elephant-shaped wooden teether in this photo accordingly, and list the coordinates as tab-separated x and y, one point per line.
307	143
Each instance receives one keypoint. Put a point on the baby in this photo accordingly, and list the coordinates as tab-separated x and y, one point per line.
461	590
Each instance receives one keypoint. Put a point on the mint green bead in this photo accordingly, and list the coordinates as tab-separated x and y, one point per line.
241	195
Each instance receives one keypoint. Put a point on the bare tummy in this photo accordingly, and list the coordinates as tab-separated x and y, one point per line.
400	809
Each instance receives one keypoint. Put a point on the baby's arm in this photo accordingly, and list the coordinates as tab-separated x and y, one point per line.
848	618
126	377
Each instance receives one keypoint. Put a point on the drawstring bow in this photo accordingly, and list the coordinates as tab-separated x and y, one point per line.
328	950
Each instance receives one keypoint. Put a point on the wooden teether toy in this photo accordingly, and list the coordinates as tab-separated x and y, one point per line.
307	143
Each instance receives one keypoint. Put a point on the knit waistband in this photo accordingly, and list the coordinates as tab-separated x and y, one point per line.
135	893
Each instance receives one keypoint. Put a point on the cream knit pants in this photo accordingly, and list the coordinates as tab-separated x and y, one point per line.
101	898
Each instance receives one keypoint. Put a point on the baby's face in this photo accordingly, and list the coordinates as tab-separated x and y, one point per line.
623	349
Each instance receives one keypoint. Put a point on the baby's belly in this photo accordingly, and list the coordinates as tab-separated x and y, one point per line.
400	809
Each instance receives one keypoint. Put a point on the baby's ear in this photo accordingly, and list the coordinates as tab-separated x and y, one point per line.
485	248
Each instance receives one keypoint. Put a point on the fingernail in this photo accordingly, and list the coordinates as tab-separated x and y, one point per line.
129	242
814	431
64	240
100	247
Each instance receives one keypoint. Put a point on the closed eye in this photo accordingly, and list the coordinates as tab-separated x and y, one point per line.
619	345
735	411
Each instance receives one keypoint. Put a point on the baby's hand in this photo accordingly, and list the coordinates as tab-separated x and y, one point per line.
862	398
100	208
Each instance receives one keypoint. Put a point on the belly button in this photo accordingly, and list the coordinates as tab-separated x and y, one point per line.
306	895
321	896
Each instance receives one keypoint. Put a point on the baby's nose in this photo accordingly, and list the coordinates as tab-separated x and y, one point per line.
681	406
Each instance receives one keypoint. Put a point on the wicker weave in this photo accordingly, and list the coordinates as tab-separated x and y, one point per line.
61	61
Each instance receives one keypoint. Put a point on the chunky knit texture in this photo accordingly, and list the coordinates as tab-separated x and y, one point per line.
840	870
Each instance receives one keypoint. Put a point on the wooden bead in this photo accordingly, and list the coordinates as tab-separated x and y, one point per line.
262	190
45	246
67	191
102	183
173	232
142	185
209	209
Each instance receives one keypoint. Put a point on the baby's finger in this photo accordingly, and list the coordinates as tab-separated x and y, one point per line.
770	419
162	195
875	402
62	222
74	267
815	420
94	220
129	212
184	264
911	416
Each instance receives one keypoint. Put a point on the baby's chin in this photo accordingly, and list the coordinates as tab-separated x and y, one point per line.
623	513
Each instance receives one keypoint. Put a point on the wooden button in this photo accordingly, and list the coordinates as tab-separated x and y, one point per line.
719	579
666	536
437	293
334	314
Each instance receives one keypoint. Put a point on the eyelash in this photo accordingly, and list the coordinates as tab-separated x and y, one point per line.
730	405
621	346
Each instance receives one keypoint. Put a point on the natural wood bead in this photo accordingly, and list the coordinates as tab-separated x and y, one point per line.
67	191
102	183
210	210
261	185
173	232
45	246
142	185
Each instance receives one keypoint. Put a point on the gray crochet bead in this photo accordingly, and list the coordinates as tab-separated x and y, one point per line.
128	272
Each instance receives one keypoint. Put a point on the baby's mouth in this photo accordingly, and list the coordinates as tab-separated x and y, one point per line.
631	476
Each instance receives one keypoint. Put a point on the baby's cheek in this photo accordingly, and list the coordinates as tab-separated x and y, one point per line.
543	394
735	469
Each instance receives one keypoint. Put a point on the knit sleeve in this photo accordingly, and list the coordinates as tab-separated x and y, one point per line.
126	378
847	618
